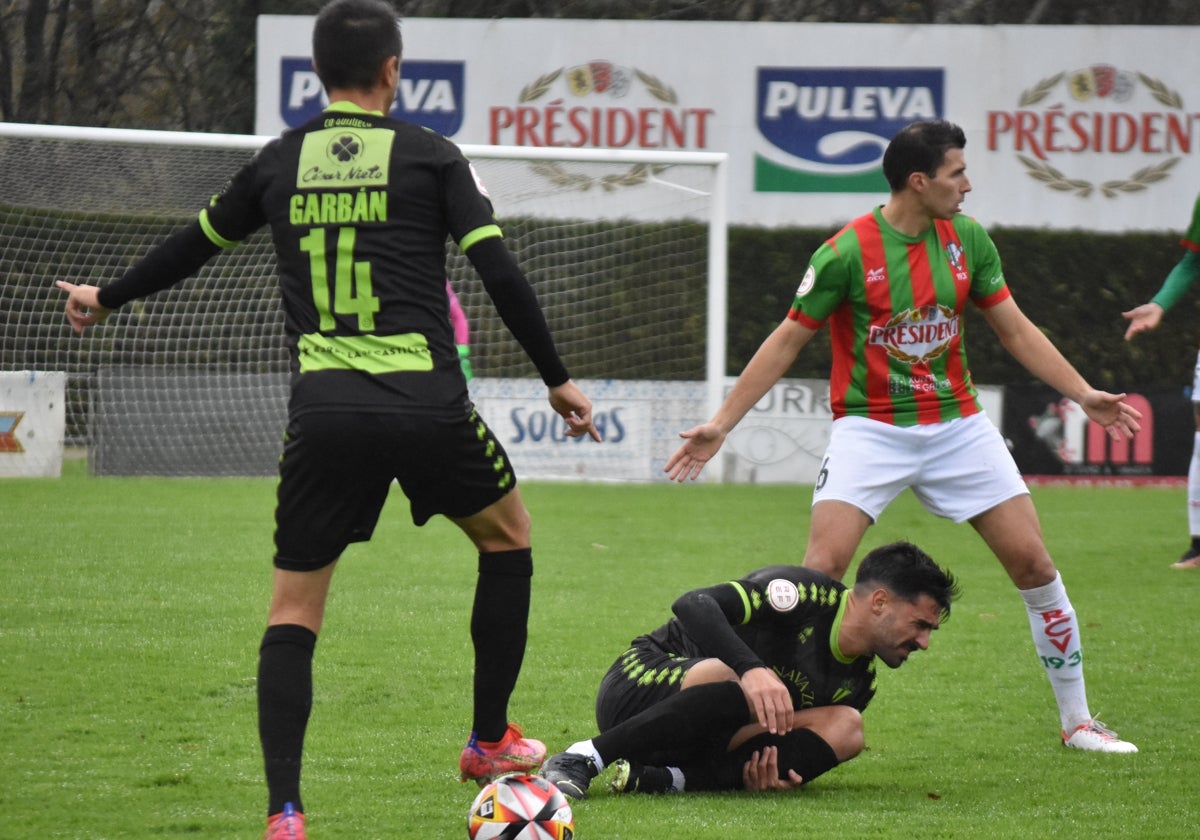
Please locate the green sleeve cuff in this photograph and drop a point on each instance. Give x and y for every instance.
(214, 237)
(485, 232)
(1178, 281)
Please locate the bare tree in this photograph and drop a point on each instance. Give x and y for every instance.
(178, 64)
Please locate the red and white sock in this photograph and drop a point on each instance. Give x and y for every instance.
(1056, 638)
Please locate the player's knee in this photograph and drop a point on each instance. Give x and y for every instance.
(503, 526)
(845, 732)
(1031, 571)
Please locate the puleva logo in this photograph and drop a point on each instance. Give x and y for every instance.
(430, 94)
(825, 129)
(1095, 131)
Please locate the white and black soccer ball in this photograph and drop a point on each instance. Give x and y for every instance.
(520, 808)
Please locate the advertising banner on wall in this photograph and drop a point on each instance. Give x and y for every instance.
(1051, 436)
(32, 423)
(1096, 128)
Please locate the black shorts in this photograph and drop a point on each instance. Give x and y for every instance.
(337, 468)
(641, 677)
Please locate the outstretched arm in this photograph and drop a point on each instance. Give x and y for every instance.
(1149, 315)
(178, 256)
(772, 360)
(1030, 346)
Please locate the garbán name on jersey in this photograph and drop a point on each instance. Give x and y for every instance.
(348, 152)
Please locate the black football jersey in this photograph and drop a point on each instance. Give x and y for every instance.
(789, 617)
(360, 207)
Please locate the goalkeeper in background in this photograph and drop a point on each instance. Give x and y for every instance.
(1147, 317)
(360, 206)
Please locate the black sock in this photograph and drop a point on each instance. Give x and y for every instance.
(693, 722)
(284, 704)
(801, 750)
(499, 627)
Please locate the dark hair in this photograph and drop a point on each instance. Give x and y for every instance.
(920, 147)
(909, 572)
(351, 40)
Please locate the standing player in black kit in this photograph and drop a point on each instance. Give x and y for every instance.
(360, 206)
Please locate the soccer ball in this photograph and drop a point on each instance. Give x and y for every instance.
(520, 808)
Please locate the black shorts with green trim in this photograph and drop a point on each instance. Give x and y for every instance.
(641, 677)
(338, 466)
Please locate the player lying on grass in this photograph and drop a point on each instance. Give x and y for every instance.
(760, 682)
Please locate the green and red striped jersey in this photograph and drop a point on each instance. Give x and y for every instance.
(895, 304)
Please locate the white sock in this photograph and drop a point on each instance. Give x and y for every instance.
(586, 748)
(1056, 639)
(677, 780)
(1193, 489)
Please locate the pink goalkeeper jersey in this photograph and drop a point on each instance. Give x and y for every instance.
(895, 304)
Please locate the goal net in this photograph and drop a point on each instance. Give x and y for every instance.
(625, 250)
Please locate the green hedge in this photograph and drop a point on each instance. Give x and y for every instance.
(1074, 285)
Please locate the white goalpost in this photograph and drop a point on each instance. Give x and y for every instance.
(626, 251)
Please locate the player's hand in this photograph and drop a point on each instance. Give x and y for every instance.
(701, 444)
(1118, 417)
(83, 305)
(576, 409)
(769, 700)
(1142, 318)
(761, 772)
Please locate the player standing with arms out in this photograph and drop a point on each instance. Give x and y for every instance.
(893, 285)
(360, 206)
(1147, 317)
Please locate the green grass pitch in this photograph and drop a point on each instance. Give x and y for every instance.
(131, 611)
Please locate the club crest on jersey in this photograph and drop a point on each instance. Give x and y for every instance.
(954, 253)
(782, 595)
(916, 335)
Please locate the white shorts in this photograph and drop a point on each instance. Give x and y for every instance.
(957, 469)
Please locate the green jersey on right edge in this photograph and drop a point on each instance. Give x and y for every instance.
(1191, 237)
(894, 305)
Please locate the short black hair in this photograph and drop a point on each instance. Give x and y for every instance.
(920, 147)
(909, 572)
(351, 40)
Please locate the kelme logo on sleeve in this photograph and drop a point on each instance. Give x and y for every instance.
(825, 129)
